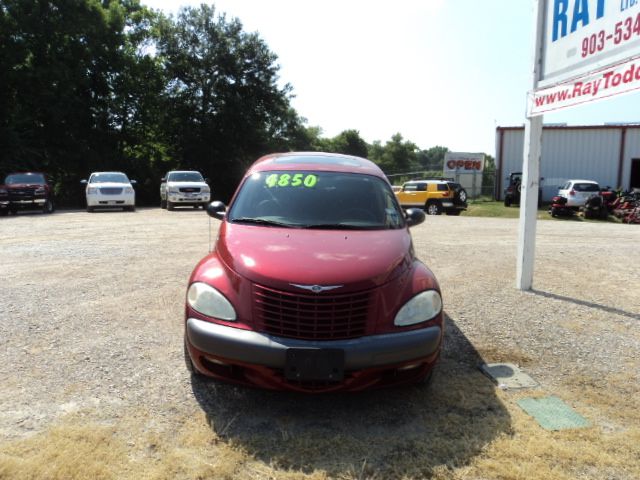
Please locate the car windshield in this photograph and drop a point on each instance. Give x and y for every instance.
(108, 178)
(32, 178)
(586, 187)
(312, 199)
(185, 177)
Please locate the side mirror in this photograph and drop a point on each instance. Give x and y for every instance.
(206, 180)
(133, 182)
(163, 180)
(414, 216)
(83, 182)
(217, 210)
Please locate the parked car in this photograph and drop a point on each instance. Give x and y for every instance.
(434, 195)
(109, 190)
(578, 191)
(4, 200)
(313, 285)
(184, 188)
(26, 191)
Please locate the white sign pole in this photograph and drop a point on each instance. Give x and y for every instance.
(531, 169)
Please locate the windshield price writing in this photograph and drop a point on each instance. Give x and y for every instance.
(288, 180)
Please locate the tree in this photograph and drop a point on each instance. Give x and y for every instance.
(397, 155)
(225, 107)
(432, 159)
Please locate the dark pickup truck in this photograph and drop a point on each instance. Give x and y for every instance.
(26, 191)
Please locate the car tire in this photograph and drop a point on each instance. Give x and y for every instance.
(433, 208)
(169, 205)
(462, 195)
(132, 208)
(90, 209)
(48, 206)
(163, 204)
(507, 201)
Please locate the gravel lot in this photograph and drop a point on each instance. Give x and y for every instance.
(91, 325)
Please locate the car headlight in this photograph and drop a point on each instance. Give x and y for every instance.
(205, 190)
(39, 191)
(92, 190)
(173, 190)
(210, 302)
(424, 306)
(128, 189)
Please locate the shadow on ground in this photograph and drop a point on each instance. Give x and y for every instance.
(410, 431)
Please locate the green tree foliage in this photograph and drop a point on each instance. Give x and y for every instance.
(432, 158)
(224, 106)
(396, 156)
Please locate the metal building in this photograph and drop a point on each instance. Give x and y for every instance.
(608, 154)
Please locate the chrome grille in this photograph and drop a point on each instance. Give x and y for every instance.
(311, 317)
(189, 190)
(111, 191)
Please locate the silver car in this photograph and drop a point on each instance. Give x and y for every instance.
(578, 191)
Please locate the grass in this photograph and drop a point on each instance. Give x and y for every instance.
(463, 428)
(492, 208)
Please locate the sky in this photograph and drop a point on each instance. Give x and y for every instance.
(439, 72)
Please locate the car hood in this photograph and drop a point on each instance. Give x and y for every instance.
(187, 184)
(280, 257)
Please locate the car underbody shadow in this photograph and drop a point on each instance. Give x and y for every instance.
(404, 431)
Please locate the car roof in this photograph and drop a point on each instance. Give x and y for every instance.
(316, 161)
(183, 171)
(581, 181)
(94, 173)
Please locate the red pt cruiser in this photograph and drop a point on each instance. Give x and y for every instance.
(313, 285)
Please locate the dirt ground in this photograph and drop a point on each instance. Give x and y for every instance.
(94, 384)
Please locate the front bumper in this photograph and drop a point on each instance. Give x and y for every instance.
(367, 357)
(187, 199)
(97, 200)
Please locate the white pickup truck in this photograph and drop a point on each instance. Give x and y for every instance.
(184, 188)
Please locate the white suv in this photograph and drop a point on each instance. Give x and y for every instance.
(578, 191)
(184, 188)
(110, 189)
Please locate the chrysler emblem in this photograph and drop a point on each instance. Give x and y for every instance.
(316, 288)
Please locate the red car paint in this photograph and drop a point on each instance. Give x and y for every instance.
(267, 273)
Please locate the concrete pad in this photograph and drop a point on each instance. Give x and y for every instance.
(508, 376)
(552, 413)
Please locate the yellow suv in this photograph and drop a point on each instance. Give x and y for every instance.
(434, 196)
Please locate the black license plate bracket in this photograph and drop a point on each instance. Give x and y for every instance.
(314, 364)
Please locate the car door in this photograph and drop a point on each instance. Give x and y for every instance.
(409, 196)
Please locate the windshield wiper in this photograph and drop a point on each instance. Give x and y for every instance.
(262, 221)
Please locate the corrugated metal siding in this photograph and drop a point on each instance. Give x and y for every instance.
(589, 153)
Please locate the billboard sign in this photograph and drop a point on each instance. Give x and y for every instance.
(590, 51)
(460, 162)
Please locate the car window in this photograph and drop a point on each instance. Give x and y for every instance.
(443, 187)
(566, 186)
(185, 177)
(314, 199)
(454, 186)
(108, 177)
(412, 187)
(33, 178)
(586, 187)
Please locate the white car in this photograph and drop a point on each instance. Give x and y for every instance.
(184, 188)
(108, 190)
(578, 191)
